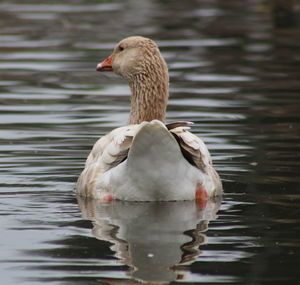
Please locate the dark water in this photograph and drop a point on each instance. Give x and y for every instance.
(235, 72)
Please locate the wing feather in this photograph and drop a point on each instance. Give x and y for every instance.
(174, 125)
(108, 152)
(193, 148)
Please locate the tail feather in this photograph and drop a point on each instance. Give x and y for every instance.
(156, 168)
(153, 147)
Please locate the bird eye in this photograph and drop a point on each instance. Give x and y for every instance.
(121, 48)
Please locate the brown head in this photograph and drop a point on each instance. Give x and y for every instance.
(138, 60)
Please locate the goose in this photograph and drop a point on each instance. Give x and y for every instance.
(147, 160)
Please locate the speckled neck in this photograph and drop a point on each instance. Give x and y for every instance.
(150, 92)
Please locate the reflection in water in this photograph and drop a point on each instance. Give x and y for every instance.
(153, 238)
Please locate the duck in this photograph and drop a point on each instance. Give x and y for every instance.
(147, 159)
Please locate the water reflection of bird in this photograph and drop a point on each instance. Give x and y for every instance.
(155, 239)
(147, 160)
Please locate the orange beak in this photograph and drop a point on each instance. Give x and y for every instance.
(105, 65)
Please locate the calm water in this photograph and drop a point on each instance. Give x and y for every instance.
(235, 73)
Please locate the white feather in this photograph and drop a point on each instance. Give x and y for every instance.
(154, 170)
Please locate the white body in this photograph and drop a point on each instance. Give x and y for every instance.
(155, 168)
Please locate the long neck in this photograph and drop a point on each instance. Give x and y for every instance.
(150, 92)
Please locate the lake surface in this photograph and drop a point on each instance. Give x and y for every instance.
(234, 72)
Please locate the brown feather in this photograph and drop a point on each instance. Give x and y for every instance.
(174, 125)
(192, 155)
